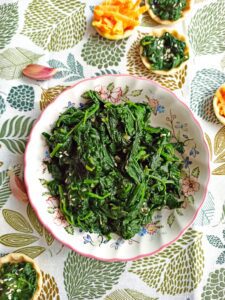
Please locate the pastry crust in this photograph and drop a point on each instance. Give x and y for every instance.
(185, 11)
(115, 37)
(216, 108)
(19, 257)
(159, 33)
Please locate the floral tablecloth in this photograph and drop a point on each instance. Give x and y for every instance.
(58, 33)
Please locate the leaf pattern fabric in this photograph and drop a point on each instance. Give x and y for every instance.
(183, 261)
(55, 24)
(101, 53)
(58, 34)
(214, 288)
(203, 88)
(207, 28)
(2, 105)
(73, 70)
(21, 97)
(50, 290)
(14, 132)
(9, 22)
(80, 272)
(14, 60)
(128, 294)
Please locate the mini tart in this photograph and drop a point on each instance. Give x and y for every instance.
(169, 22)
(219, 99)
(115, 37)
(19, 257)
(159, 33)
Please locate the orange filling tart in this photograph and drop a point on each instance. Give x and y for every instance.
(115, 19)
(220, 94)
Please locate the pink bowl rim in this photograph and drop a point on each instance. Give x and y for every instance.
(141, 255)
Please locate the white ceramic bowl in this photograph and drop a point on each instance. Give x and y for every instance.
(167, 226)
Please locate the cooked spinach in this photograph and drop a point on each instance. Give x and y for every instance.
(165, 52)
(18, 281)
(111, 169)
(168, 9)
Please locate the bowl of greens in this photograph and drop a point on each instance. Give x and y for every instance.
(116, 167)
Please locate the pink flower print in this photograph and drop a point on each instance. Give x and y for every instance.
(153, 103)
(115, 95)
(52, 202)
(102, 91)
(190, 185)
(152, 228)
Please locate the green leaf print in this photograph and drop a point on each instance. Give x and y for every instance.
(87, 278)
(32, 251)
(48, 237)
(14, 60)
(72, 71)
(21, 97)
(34, 220)
(102, 53)
(214, 288)
(221, 258)
(38, 226)
(215, 241)
(207, 29)
(182, 261)
(50, 290)
(17, 239)
(2, 104)
(171, 219)
(195, 172)
(206, 214)
(55, 25)
(4, 187)
(4, 184)
(219, 141)
(128, 294)
(13, 133)
(203, 88)
(9, 22)
(16, 221)
(106, 72)
(136, 93)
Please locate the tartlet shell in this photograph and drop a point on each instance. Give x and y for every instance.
(115, 37)
(169, 22)
(216, 108)
(19, 257)
(159, 33)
